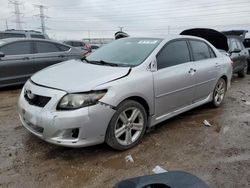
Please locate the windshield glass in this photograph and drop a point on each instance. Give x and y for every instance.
(125, 52)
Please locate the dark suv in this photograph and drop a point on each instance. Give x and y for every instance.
(247, 46)
(240, 54)
(228, 42)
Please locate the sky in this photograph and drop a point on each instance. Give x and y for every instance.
(78, 19)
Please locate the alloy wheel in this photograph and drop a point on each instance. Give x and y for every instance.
(219, 92)
(129, 126)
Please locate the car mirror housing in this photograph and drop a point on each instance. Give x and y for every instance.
(2, 54)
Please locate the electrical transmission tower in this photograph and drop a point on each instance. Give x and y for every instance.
(17, 14)
(42, 17)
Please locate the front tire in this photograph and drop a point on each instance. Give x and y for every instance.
(127, 126)
(243, 72)
(219, 92)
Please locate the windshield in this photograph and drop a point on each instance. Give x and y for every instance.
(125, 52)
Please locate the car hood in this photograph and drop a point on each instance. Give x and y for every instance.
(216, 38)
(77, 76)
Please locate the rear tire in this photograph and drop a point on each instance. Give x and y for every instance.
(219, 92)
(127, 126)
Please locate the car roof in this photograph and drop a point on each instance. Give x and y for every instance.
(170, 37)
(8, 40)
(21, 31)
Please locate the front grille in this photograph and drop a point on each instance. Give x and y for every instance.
(36, 100)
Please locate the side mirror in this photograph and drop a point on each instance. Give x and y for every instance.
(2, 54)
(236, 50)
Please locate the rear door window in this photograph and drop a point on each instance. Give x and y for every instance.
(200, 50)
(173, 53)
(17, 48)
(46, 47)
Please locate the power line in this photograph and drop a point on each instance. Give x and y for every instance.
(182, 4)
(42, 16)
(17, 14)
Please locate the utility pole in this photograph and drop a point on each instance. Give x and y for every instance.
(169, 29)
(120, 28)
(17, 14)
(6, 24)
(42, 16)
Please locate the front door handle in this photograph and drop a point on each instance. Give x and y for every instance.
(191, 71)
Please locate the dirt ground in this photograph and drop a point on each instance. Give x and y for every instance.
(220, 155)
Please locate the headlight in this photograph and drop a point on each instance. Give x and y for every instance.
(79, 100)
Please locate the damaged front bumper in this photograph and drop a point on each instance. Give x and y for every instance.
(75, 128)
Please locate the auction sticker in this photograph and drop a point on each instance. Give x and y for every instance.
(147, 41)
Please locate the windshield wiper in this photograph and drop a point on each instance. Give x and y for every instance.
(107, 63)
(100, 62)
(85, 59)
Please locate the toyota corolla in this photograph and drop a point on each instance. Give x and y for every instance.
(119, 91)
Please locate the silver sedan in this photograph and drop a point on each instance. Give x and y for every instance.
(122, 89)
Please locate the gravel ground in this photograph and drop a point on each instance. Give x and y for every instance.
(220, 154)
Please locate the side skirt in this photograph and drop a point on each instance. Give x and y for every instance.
(156, 120)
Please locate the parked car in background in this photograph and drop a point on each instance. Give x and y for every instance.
(228, 43)
(112, 96)
(12, 33)
(84, 47)
(241, 55)
(94, 47)
(20, 58)
(247, 46)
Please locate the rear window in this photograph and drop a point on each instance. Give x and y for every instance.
(11, 35)
(37, 36)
